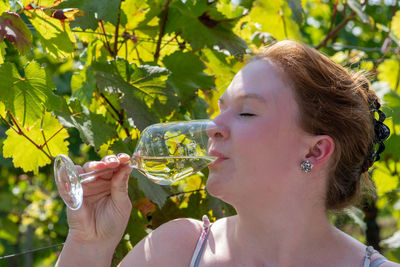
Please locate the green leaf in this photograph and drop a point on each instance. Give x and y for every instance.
(392, 106)
(92, 127)
(83, 86)
(297, 10)
(85, 20)
(55, 35)
(153, 191)
(133, 98)
(202, 25)
(392, 150)
(106, 10)
(28, 156)
(356, 7)
(24, 96)
(15, 30)
(187, 74)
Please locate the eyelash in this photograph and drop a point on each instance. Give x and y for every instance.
(246, 114)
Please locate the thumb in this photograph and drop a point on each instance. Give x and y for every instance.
(119, 189)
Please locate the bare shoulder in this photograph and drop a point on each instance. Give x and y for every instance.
(171, 244)
(390, 264)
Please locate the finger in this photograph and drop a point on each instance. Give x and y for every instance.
(111, 161)
(93, 165)
(96, 187)
(123, 158)
(119, 190)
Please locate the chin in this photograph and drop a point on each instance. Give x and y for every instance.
(218, 188)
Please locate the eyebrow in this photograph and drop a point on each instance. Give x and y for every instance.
(244, 97)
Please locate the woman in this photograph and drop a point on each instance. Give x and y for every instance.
(295, 137)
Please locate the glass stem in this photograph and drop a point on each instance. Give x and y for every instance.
(90, 176)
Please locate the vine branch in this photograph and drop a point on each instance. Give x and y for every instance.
(334, 32)
(20, 132)
(107, 43)
(162, 29)
(116, 31)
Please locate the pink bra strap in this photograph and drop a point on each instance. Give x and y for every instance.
(198, 252)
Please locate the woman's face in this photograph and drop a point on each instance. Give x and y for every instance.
(258, 140)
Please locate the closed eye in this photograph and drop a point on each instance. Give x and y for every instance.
(246, 114)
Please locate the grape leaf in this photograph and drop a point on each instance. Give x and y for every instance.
(55, 35)
(24, 96)
(187, 74)
(106, 10)
(265, 17)
(202, 25)
(142, 97)
(153, 191)
(85, 20)
(395, 24)
(383, 179)
(92, 127)
(15, 30)
(386, 70)
(28, 156)
(83, 86)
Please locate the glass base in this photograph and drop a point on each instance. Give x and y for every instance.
(68, 182)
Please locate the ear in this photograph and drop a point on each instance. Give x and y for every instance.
(321, 149)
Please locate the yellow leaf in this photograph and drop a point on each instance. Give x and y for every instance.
(2, 110)
(25, 154)
(396, 24)
(388, 72)
(383, 180)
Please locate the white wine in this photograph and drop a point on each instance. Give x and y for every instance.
(167, 170)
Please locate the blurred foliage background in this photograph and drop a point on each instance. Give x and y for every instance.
(83, 78)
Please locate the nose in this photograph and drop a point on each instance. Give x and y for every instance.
(217, 130)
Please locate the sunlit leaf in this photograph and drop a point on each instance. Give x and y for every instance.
(15, 30)
(388, 71)
(203, 26)
(383, 179)
(55, 36)
(25, 154)
(106, 10)
(25, 96)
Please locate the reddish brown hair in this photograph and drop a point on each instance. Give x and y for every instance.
(334, 102)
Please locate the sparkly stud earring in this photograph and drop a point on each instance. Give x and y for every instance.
(306, 166)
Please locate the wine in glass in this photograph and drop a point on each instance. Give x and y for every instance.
(165, 153)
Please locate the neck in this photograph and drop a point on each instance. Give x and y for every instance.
(282, 234)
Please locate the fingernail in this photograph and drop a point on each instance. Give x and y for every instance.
(112, 159)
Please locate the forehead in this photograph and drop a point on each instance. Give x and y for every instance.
(260, 78)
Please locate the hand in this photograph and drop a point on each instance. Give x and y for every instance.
(106, 206)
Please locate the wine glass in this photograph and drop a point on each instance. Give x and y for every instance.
(165, 153)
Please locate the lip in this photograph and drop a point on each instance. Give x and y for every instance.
(220, 157)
